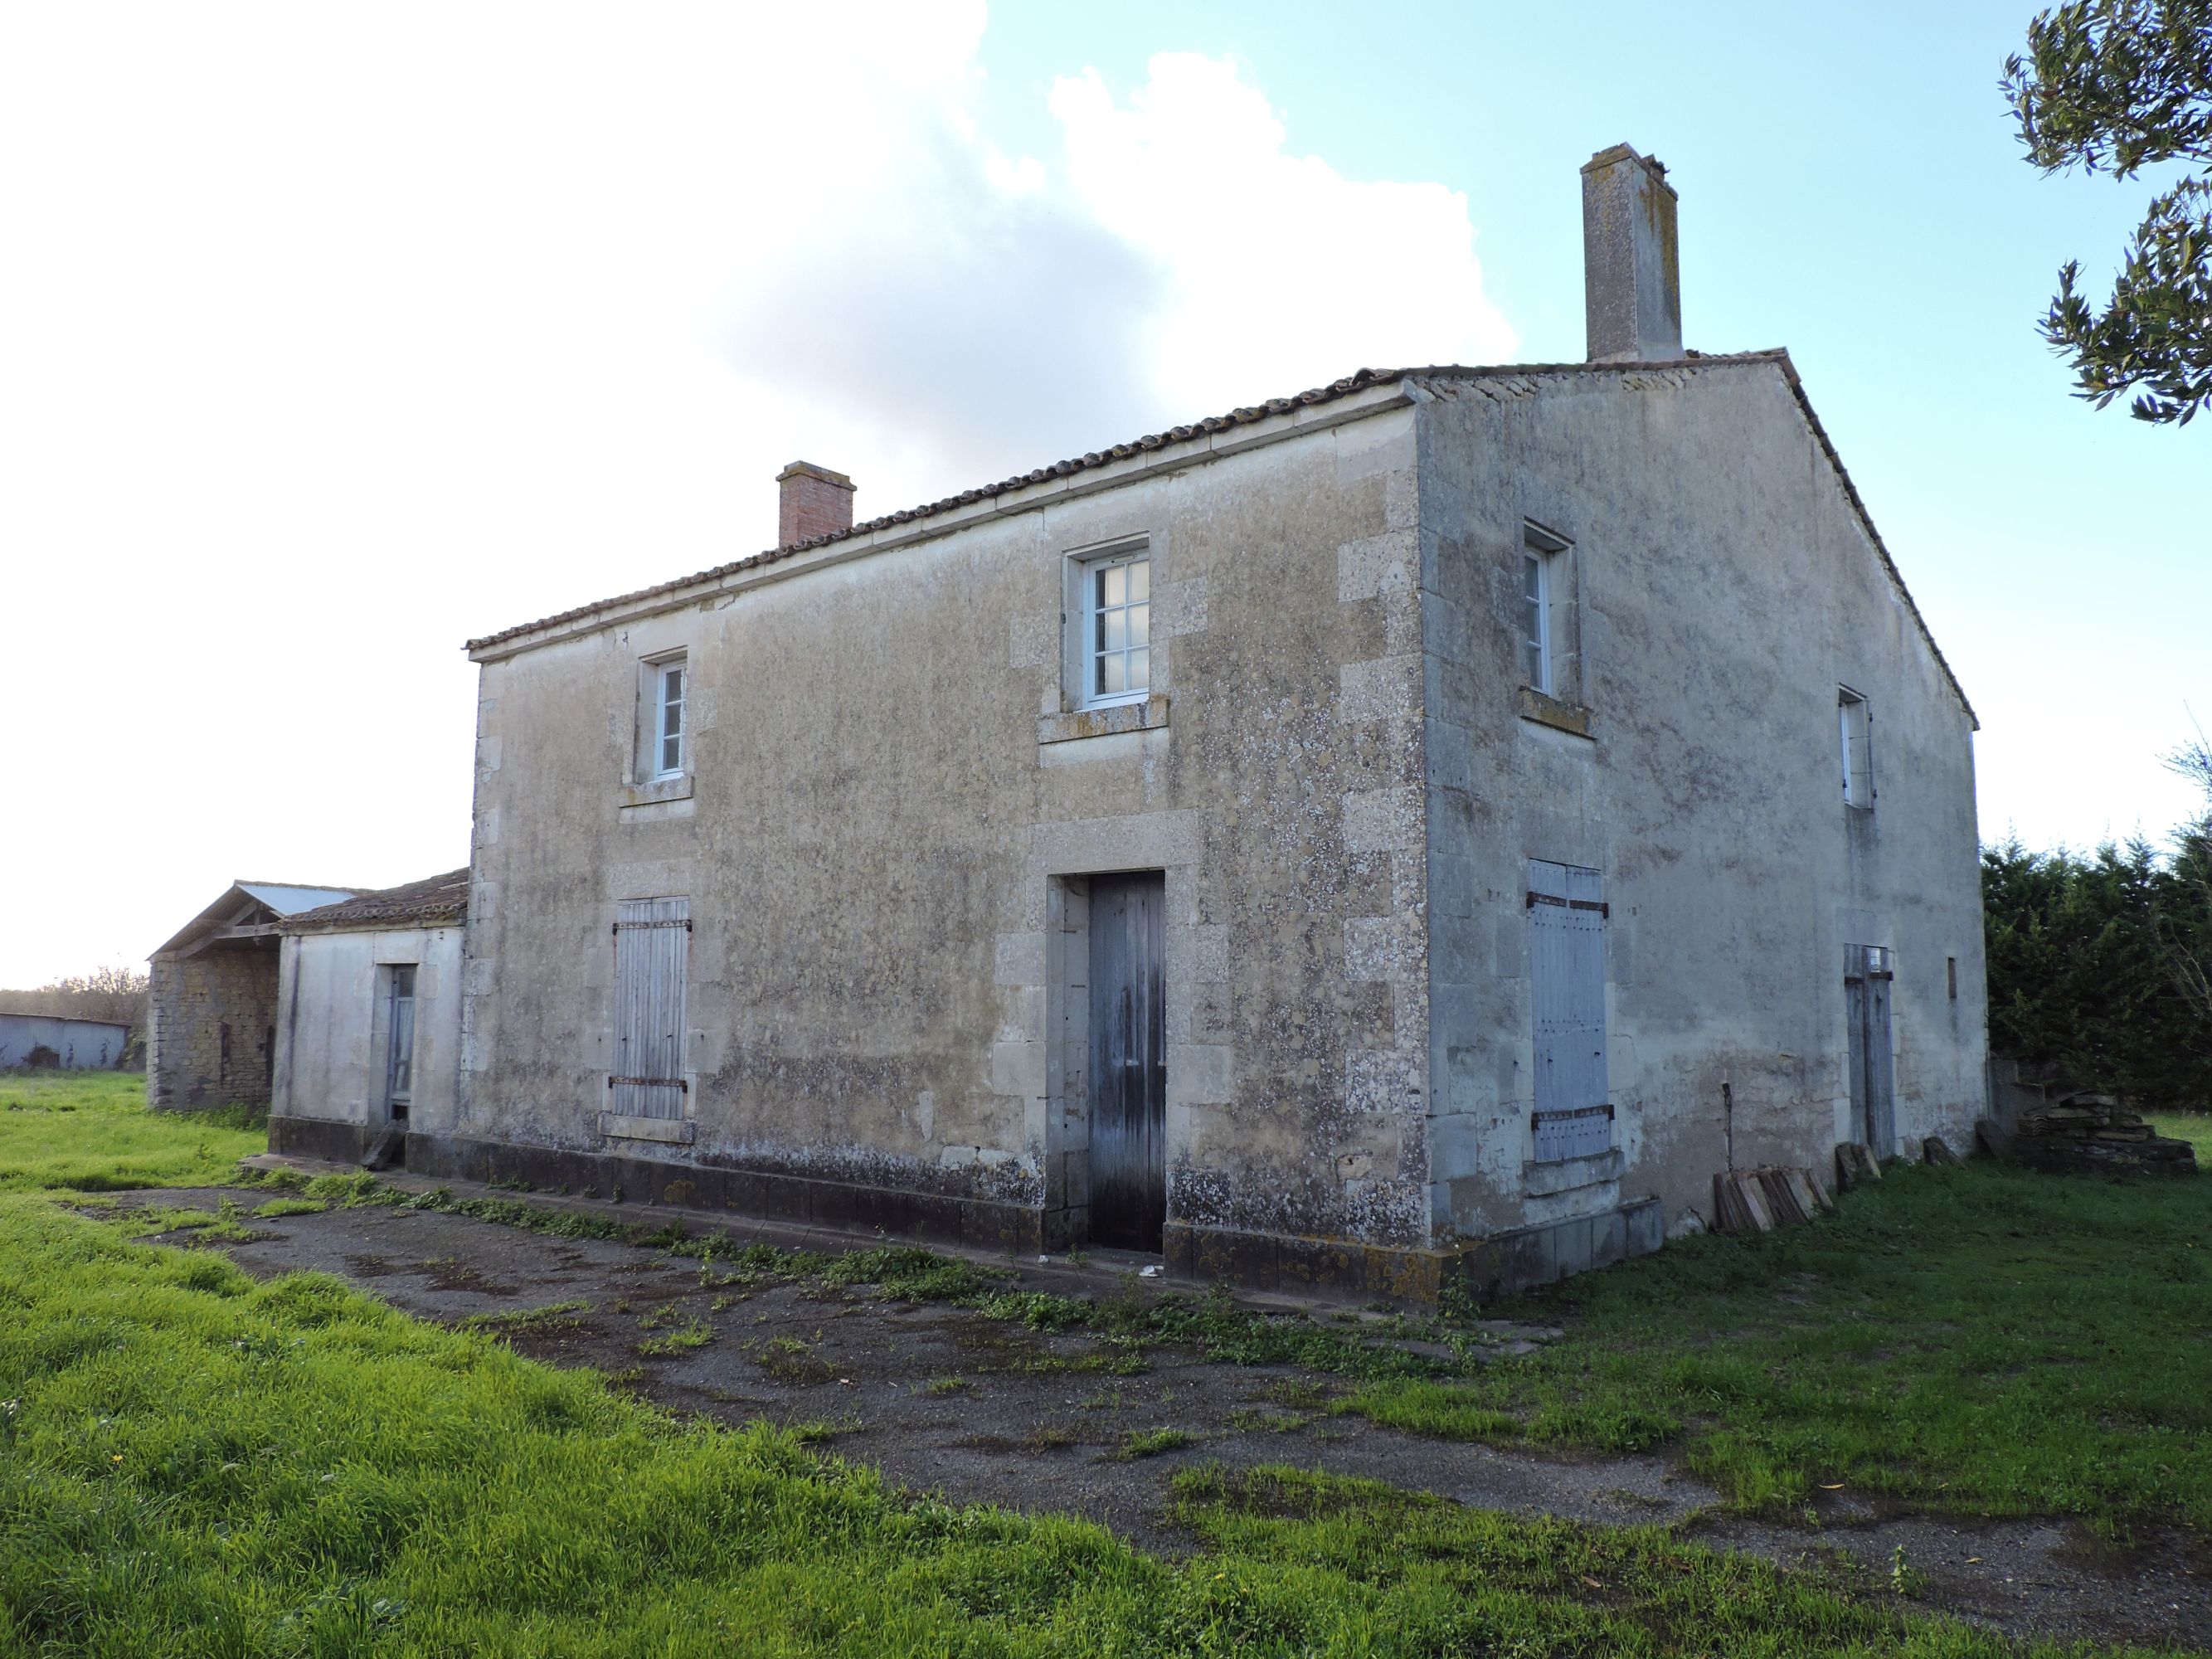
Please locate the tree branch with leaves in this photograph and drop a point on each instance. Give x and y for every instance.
(2117, 86)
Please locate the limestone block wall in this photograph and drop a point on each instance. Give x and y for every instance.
(1720, 590)
(211, 1035)
(893, 812)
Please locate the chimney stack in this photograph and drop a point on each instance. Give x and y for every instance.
(1632, 265)
(814, 501)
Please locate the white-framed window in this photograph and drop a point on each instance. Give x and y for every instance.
(671, 679)
(1855, 746)
(1543, 581)
(1117, 654)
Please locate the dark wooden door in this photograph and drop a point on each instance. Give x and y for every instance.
(1874, 1082)
(1128, 1062)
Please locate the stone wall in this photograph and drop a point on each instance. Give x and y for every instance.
(212, 1037)
(892, 814)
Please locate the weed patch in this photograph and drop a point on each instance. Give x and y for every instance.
(686, 1339)
(1150, 1443)
(554, 1318)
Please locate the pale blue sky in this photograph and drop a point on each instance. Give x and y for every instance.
(334, 337)
(1851, 189)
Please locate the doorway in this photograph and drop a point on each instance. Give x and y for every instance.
(1868, 976)
(399, 1046)
(1128, 1071)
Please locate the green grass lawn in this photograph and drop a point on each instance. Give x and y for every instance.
(91, 1131)
(1975, 1338)
(198, 1464)
(2195, 1127)
(193, 1463)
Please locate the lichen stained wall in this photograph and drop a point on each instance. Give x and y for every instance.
(891, 815)
(1724, 590)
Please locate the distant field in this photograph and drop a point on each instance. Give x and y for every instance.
(91, 1131)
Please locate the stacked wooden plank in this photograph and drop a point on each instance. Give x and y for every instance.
(1758, 1200)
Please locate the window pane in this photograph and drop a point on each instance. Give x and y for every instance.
(1140, 624)
(1110, 672)
(1532, 577)
(673, 685)
(1112, 629)
(671, 754)
(1111, 585)
(1140, 670)
(1140, 579)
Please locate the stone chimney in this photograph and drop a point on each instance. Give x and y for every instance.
(1632, 266)
(815, 502)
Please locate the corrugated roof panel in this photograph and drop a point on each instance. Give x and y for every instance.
(290, 901)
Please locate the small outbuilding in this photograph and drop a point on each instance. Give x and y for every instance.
(369, 1021)
(33, 1040)
(211, 1033)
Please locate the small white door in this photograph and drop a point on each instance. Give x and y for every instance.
(399, 1042)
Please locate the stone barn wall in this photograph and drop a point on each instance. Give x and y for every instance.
(212, 1039)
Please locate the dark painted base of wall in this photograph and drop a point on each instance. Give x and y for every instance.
(1487, 1269)
(1330, 1269)
(976, 1223)
(318, 1138)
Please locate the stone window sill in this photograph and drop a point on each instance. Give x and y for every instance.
(1550, 711)
(1144, 716)
(681, 1131)
(650, 795)
(1567, 1175)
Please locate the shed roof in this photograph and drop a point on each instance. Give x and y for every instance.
(1251, 414)
(253, 904)
(435, 901)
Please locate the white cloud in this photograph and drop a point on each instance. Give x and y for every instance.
(330, 337)
(1286, 273)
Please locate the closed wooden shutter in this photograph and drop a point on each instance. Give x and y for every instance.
(1566, 940)
(652, 956)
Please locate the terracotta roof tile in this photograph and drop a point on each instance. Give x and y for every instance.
(435, 902)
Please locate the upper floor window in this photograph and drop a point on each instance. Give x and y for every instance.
(669, 682)
(1543, 602)
(1117, 628)
(1855, 741)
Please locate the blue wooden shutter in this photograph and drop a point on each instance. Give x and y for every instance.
(1566, 955)
(653, 954)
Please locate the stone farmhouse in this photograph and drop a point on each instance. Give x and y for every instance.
(1420, 829)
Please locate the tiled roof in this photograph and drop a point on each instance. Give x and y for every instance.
(1250, 415)
(435, 902)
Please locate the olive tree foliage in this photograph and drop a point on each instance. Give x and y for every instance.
(2116, 86)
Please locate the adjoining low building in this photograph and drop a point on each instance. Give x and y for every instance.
(368, 1023)
(211, 1024)
(68, 1044)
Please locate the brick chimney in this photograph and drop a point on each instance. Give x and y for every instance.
(1632, 265)
(815, 502)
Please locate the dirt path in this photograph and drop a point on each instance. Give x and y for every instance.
(982, 1410)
